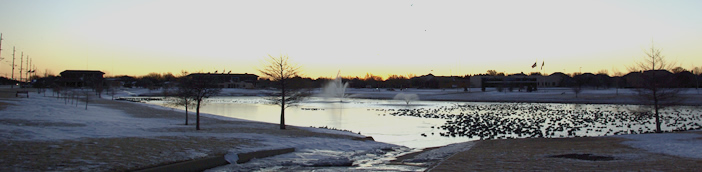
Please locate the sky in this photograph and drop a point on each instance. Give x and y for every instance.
(137, 37)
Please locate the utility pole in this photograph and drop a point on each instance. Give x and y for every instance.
(26, 74)
(29, 68)
(33, 69)
(0, 46)
(20, 71)
(13, 66)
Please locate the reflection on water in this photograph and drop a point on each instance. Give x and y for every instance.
(421, 124)
(364, 116)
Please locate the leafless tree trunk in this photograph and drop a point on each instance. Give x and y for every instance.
(112, 92)
(577, 89)
(199, 88)
(656, 86)
(181, 96)
(87, 95)
(280, 69)
(99, 88)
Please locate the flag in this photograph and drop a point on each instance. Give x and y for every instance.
(542, 65)
(533, 66)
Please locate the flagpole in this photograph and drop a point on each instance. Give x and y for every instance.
(543, 72)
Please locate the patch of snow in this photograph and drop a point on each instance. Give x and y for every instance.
(76, 122)
(232, 158)
(676, 144)
(442, 152)
(330, 131)
(102, 122)
(193, 154)
(313, 152)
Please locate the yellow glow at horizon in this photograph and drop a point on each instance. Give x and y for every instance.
(380, 38)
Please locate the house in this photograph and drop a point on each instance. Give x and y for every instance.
(120, 81)
(431, 81)
(659, 78)
(81, 78)
(556, 79)
(529, 82)
(513, 81)
(226, 80)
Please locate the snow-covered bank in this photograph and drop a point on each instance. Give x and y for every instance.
(61, 124)
(55, 121)
(683, 144)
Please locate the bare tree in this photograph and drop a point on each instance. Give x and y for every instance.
(655, 86)
(678, 70)
(492, 72)
(578, 82)
(112, 88)
(281, 70)
(99, 88)
(577, 89)
(199, 87)
(57, 90)
(617, 79)
(181, 95)
(86, 94)
(697, 71)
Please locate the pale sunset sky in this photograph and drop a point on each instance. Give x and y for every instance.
(136, 37)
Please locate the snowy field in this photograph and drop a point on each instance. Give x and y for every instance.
(40, 118)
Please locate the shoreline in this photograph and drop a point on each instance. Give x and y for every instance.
(169, 142)
(545, 95)
(137, 110)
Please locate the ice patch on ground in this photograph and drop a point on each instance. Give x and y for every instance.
(316, 153)
(676, 144)
(442, 152)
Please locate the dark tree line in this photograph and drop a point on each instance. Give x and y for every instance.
(680, 77)
(392, 82)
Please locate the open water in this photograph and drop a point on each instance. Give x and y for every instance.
(422, 124)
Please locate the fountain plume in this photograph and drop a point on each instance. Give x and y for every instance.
(407, 97)
(335, 88)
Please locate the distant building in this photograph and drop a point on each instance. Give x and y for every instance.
(518, 81)
(121, 81)
(556, 79)
(224, 80)
(81, 78)
(431, 81)
(639, 79)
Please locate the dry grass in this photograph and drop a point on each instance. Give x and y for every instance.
(108, 154)
(122, 154)
(130, 153)
(535, 155)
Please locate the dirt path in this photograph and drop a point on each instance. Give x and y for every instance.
(539, 154)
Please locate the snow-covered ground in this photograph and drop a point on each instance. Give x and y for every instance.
(685, 145)
(46, 118)
(40, 118)
(678, 144)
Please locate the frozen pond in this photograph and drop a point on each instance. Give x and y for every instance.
(422, 124)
